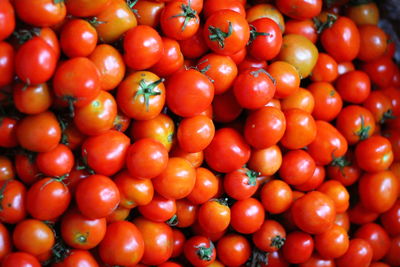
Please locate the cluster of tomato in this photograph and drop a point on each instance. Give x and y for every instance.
(191, 133)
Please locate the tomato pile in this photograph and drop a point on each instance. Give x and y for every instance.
(179, 133)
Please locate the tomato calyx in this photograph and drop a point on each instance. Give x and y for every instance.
(58, 1)
(95, 21)
(131, 5)
(173, 221)
(340, 162)
(254, 34)
(363, 133)
(255, 73)
(205, 253)
(252, 175)
(216, 34)
(321, 26)
(24, 35)
(188, 13)
(55, 179)
(257, 258)
(147, 90)
(387, 115)
(278, 242)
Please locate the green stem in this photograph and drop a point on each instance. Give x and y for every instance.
(147, 90)
(188, 13)
(205, 253)
(218, 35)
(364, 131)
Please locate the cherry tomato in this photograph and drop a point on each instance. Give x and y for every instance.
(211, 6)
(376, 237)
(374, 154)
(302, 99)
(20, 259)
(195, 46)
(266, 161)
(225, 107)
(171, 60)
(365, 13)
(33, 99)
(186, 213)
(7, 21)
(148, 12)
(359, 253)
(247, 215)
(380, 106)
(13, 207)
(333, 243)
(392, 256)
(325, 70)
(380, 71)
(7, 55)
(270, 237)
(276, 196)
(297, 167)
(338, 193)
(391, 219)
(77, 257)
(214, 216)
(298, 247)
(199, 251)
(85, 8)
(265, 39)
(328, 102)
(43, 13)
(302, 27)
(233, 250)
(287, 78)
(206, 186)
(241, 184)
(300, 9)
(159, 209)
(195, 133)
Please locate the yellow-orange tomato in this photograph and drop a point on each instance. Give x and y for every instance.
(266, 11)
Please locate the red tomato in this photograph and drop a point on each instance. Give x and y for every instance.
(392, 256)
(159, 209)
(171, 60)
(317, 260)
(233, 250)
(211, 6)
(361, 215)
(7, 56)
(186, 213)
(354, 86)
(8, 137)
(6, 243)
(6, 169)
(199, 251)
(266, 161)
(276, 196)
(195, 133)
(7, 19)
(86, 8)
(298, 247)
(333, 243)
(297, 167)
(13, 207)
(42, 13)
(338, 193)
(32, 99)
(206, 186)
(377, 237)
(179, 241)
(247, 216)
(287, 78)
(328, 102)
(225, 107)
(373, 42)
(300, 9)
(20, 259)
(195, 46)
(57, 162)
(78, 257)
(241, 184)
(270, 237)
(214, 216)
(380, 71)
(391, 219)
(302, 99)
(326, 69)
(374, 154)
(303, 27)
(380, 106)
(265, 39)
(359, 253)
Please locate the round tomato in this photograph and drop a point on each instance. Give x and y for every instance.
(276, 196)
(42, 13)
(326, 69)
(333, 243)
(266, 161)
(247, 215)
(7, 19)
(298, 247)
(233, 250)
(377, 237)
(301, 129)
(374, 154)
(195, 133)
(265, 39)
(200, 251)
(171, 60)
(297, 167)
(20, 259)
(12, 204)
(270, 237)
(206, 186)
(391, 219)
(33, 99)
(300, 9)
(373, 42)
(214, 216)
(7, 56)
(359, 253)
(241, 184)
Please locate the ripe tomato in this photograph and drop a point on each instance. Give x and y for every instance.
(227, 152)
(233, 250)
(303, 27)
(251, 63)
(12, 204)
(300, 9)
(302, 99)
(380, 106)
(341, 40)
(47, 199)
(148, 12)
(171, 59)
(206, 186)
(199, 251)
(270, 237)
(265, 39)
(378, 191)
(195, 133)
(377, 237)
(297, 167)
(328, 102)
(380, 71)
(338, 193)
(354, 86)
(394, 95)
(7, 56)
(214, 216)
(298, 247)
(78, 257)
(85, 8)
(78, 38)
(333, 243)
(226, 32)
(392, 256)
(241, 184)
(35, 61)
(8, 137)
(81, 232)
(6, 169)
(57, 162)
(276, 196)
(247, 215)
(211, 6)
(26, 168)
(7, 19)
(195, 46)
(33, 99)
(373, 42)
(266, 161)
(186, 213)
(158, 238)
(314, 212)
(365, 13)
(301, 129)
(317, 260)
(325, 70)
(123, 244)
(33, 236)
(361, 215)
(374, 154)
(97, 196)
(287, 78)
(225, 107)
(20, 259)
(196, 159)
(42, 13)
(179, 240)
(359, 253)
(159, 209)
(6, 243)
(391, 219)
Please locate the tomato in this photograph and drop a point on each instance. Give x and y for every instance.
(300, 9)
(226, 32)
(227, 152)
(47, 199)
(7, 21)
(161, 128)
(316, 260)
(119, 214)
(195, 46)
(266, 161)
(6, 169)
(77, 81)
(199, 251)
(81, 232)
(78, 257)
(57, 162)
(377, 238)
(354, 86)
(171, 59)
(303, 27)
(159, 209)
(206, 186)
(394, 95)
(179, 241)
(6, 243)
(7, 55)
(146, 158)
(33, 99)
(266, 11)
(196, 159)
(214, 216)
(341, 40)
(241, 184)
(148, 12)
(391, 219)
(13, 207)
(33, 236)
(287, 78)
(297, 167)
(380, 106)
(247, 215)
(98, 116)
(26, 168)
(373, 42)
(43, 13)
(300, 52)
(35, 61)
(380, 71)
(195, 133)
(158, 237)
(328, 102)
(276, 196)
(355, 123)
(225, 107)
(361, 215)
(302, 99)
(265, 39)
(270, 237)
(332, 243)
(20, 259)
(8, 137)
(78, 38)
(221, 69)
(177, 180)
(192, 88)
(300, 130)
(365, 13)
(114, 21)
(211, 6)
(123, 244)
(378, 191)
(298, 247)
(97, 196)
(392, 256)
(359, 253)
(338, 193)
(325, 70)
(251, 63)
(374, 154)
(312, 183)
(264, 127)
(233, 250)
(85, 8)
(317, 206)
(239, 56)
(328, 145)
(186, 213)
(179, 20)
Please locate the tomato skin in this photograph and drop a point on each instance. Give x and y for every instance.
(7, 20)
(342, 40)
(78, 257)
(106, 153)
(317, 260)
(266, 161)
(392, 256)
(7, 55)
(394, 95)
(366, 13)
(297, 167)
(158, 237)
(190, 87)
(211, 6)
(270, 237)
(338, 193)
(206, 186)
(85, 8)
(5, 241)
(374, 154)
(80, 232)
(56, 162)
(171, 60)
(298, 247)
(240, 184)
(378, 191)
(42, 13)
(146, 158)
(35, 61)
(196, 159)
(32, 99)
(186, 213)
(247, 215)
(192, 247)
(97, 196)
(179, 241)
(276, 196)
(301, 99)
(123, 244)
(377, 238)
(359, 253)
(333, 243)
(195, 133)
(300, 9)
(328, 102)
(8, 137)
(13, 207)
(6, 169)
(233, 250)
(287, 78)
(159, 209)
(314, 205)
(78, 38)
(391, 219)
(380, 71)
(373, 42)
(177, 180)
(20, 259)
(225, 107)
(265, 47)
(354, 86)
(227, 152)
(380, 106)
(214, 216)
(326, 69)
(231, 43)
(195, 46)
(302, 27)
